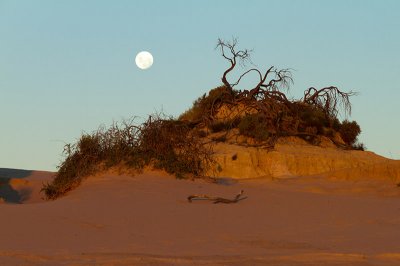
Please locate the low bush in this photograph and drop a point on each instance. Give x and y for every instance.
(172, 145)
(162, 143)
(220, 126)
(224, 125)
(349, 132)
(313, 117)
(255, 126)
(359, 147)
(204, 104)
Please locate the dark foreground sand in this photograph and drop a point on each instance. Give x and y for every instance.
(146, 220)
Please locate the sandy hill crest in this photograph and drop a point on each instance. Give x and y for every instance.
(293, 157)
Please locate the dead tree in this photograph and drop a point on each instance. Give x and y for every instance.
(268, 97)
(272, 80)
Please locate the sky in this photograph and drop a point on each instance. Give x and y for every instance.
(68, 67)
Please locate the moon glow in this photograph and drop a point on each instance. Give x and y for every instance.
(144, 60)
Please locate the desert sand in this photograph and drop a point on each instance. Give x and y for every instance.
(121, 219)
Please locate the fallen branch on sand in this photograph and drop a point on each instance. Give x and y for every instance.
(217, 199)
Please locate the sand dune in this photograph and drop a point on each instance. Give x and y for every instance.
(146, 220)
(22, 186)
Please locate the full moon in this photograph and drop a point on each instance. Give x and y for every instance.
(144, 60)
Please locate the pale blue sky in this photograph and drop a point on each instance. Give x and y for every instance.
(67, 67)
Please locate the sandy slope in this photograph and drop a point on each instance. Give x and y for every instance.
(146, 220)
(17, 186)
(295, 158)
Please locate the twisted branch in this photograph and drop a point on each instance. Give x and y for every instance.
(330, 99)
(281, 79)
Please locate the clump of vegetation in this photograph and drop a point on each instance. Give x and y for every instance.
(205, 106)
(265, 113)
(220, 126)
(255, 126)
(224, 125)
(349, 131)
(312, 117)
(172, 145)
(159, 142)
(359, 146)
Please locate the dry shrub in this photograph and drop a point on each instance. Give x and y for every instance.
(160, 142)
(172, 145)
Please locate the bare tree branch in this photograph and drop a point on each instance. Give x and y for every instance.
(242, 55)
(330, 99)
(245, 73)
(282, 79)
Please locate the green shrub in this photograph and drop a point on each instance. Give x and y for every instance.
(255, 126)
(336, 124)
(218, 126)
(349, 131)
(313, 117)
(203, 105)
(201, 133)
(359, 147)
(312, 130)
(219, 138)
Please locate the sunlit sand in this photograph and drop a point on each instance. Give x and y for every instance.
(116, 218)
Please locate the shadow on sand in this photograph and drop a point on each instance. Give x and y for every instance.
(7, 193)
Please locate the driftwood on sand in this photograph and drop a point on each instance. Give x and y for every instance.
(216, 200)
